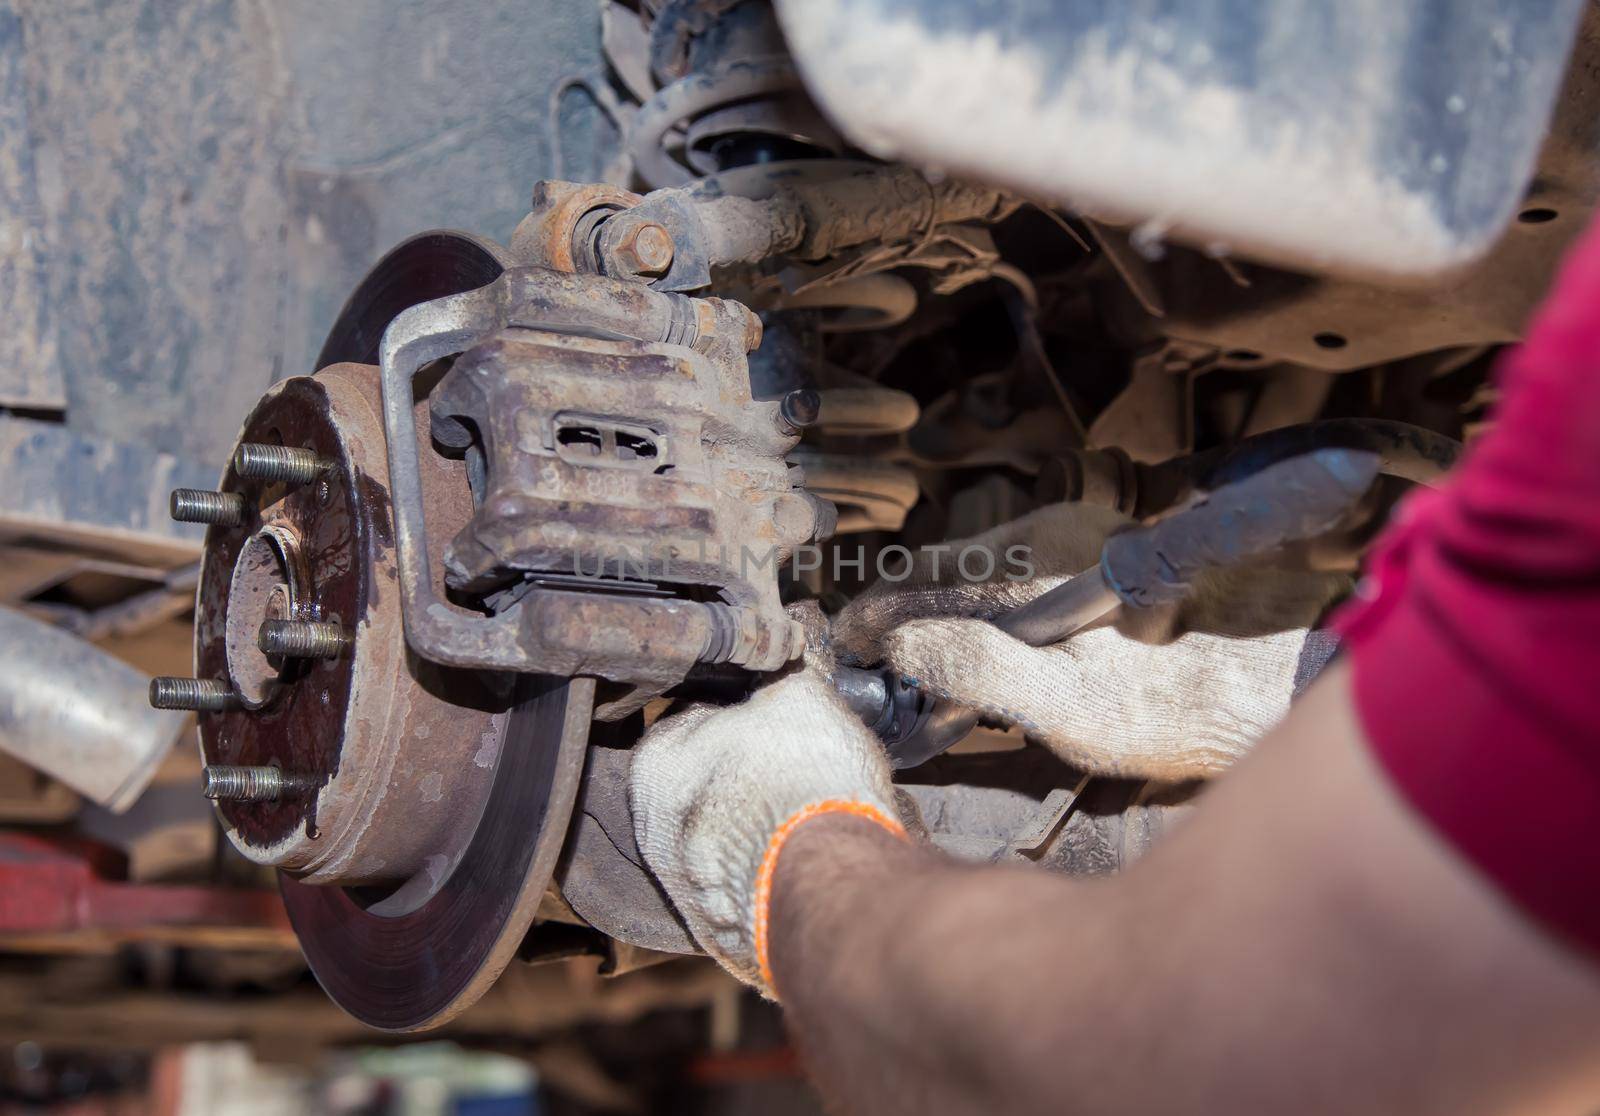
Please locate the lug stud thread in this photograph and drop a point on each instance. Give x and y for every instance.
(199, 695)
(252, 784)
(301, 639)
(195, 505)
(289, 464)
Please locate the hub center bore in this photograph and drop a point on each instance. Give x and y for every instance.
(266, 585)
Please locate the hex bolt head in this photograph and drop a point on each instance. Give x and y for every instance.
(645, 250)
(199, 695)
(798, 410)
(302, 639)
(753, 329)
(795, 516)
(289, 464)
(194, 505)
(252, 784)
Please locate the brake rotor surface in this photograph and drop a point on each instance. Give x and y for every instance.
(414, 871)
(420, 967)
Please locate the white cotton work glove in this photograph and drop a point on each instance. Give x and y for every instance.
(716, 791)
(1169, 693)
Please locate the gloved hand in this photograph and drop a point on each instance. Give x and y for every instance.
(715, 792)
(1168, 693)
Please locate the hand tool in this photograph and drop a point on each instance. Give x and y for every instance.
(1292, 500)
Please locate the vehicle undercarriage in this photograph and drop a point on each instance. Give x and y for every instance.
(531, 494)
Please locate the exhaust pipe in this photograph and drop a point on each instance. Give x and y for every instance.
(78, 714)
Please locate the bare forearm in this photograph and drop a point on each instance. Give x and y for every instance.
(906, 976)
(1302, 944)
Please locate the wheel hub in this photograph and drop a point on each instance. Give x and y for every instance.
(398, 759)
(413, 811)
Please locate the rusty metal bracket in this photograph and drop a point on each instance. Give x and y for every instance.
(642, 640)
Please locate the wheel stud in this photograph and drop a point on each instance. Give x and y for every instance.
(252, 784)
(202, 695)
(289, 464)
(195, 505)
(301, 639)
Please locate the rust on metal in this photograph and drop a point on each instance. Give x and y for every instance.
(547, 235)
(604, 433)
(401, 757)
(644, 250)
(617, 465)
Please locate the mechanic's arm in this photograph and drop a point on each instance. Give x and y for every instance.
(1303, 943)
(1392, 904)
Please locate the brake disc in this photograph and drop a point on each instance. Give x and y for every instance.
(414, 813)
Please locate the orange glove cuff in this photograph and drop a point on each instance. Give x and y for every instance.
(769, 864)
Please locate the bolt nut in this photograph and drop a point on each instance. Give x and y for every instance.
(645, 250)
(826, 520)
(753, 329)
(798, 410)
(794, 514)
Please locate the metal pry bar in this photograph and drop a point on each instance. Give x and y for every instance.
(1295, 499)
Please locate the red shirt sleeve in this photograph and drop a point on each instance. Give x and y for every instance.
(1475, 636)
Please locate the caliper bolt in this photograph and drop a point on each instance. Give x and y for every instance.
(798, 410)
(252, 784)
(301, 639)
(194, 505)
(646, 250)
(289, 464)
(753, 329)
(201, 695)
